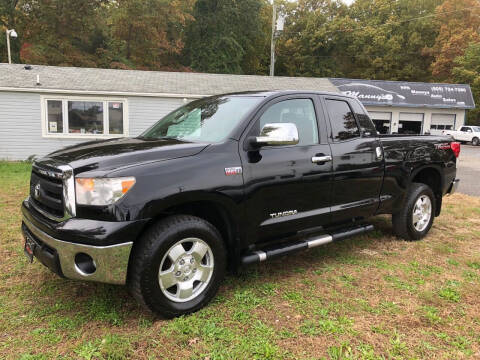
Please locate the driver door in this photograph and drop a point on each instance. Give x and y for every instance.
(286, 189)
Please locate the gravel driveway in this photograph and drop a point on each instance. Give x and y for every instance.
(468, 170)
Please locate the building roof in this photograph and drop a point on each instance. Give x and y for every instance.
(57, 79)
(407, 94)
(154, 83)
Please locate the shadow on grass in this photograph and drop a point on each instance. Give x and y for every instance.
(114, 305)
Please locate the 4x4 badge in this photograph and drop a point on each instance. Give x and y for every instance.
(237, 170)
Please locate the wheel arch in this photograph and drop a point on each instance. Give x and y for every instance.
(219, 210)
(431, 176)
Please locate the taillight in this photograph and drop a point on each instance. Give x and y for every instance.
(455, 146)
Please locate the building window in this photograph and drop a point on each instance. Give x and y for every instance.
(85, 117)
(76, 117)
(410, 123)
(382, 121)
(115, 117)
(55, 116)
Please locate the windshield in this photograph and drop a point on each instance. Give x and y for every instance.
(476, 128)
(206, 120)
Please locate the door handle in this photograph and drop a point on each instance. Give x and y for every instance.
(321, 159)
(379, 153)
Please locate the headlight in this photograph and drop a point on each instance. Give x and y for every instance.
(101, 191)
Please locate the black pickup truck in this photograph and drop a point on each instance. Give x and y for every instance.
(223, 182)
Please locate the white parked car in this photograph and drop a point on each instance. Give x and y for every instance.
(466, 134)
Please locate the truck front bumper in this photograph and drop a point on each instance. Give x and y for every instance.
(106, 264)
(79, 248)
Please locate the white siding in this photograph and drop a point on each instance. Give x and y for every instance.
(21, 127)
(443, 119)
(377, 115)
(398, 114)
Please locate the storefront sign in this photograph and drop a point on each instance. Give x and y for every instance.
(399, 93)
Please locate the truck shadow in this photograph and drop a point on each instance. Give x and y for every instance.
(113, 304)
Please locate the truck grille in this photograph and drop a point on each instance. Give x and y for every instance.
(46, 191)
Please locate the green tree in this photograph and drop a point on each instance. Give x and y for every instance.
(226, 36)
(459, 21)
(467, 70)
(389, 39)
(374, 39)
(62, 32)
(309, 44)
(10, 15)
(151, 31)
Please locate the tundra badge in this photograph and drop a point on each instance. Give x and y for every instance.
(283, 213)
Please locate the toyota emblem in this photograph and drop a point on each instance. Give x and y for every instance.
(36, 191)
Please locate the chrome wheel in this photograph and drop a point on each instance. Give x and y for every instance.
(422, 212)
(186, 269)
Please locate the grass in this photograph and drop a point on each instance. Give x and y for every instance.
(370, 297)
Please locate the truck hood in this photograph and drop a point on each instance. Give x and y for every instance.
(112, 154)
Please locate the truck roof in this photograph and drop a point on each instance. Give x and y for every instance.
(268, 93)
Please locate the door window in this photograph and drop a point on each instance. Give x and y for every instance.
(300, 112)
(366, 125)
(344, 126)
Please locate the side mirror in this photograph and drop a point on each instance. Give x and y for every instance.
(277, 134)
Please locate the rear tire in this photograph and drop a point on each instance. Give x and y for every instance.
(414, 220)
(177, 266)
(475, 141)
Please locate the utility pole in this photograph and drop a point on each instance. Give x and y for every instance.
(13, 34)
(272, 40)
(8, 47)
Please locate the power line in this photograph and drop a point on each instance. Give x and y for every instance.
(356, 56)
(392, 23)
(382, 55)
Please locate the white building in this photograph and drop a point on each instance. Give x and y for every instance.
(44, 108)
(411, 107)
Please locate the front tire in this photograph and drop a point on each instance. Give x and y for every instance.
(475, 141)
(177, 266)
(414, 220)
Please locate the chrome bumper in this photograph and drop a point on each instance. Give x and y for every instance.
(111, 262)
(453, 187)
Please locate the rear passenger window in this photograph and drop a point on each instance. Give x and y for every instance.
(342, 120)
(366, 124)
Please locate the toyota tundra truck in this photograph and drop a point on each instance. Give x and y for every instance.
(227, 181)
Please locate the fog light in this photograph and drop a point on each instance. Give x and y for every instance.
(84, 264)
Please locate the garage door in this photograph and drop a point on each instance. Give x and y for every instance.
(410, 123)
(441, 122)
(381, 120)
